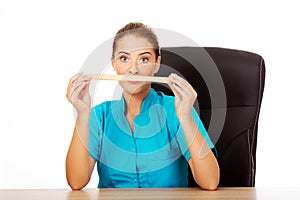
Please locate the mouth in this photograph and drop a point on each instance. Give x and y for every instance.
(134, 82)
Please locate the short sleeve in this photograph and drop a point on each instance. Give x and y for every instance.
(181, 139)
(95, 134)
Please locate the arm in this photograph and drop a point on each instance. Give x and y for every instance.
(79, 165)
(203, 163)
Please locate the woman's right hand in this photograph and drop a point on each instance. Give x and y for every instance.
(78, 92)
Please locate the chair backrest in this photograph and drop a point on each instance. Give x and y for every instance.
(238, 79)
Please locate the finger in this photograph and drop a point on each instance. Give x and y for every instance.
(73, 78)
(182, 81)
(79, 83)
(183, 84)
(75, 94)
(176, 90)
(80, 79)
(70, 93)
(180, 85)
(179, 81)
(72, 81)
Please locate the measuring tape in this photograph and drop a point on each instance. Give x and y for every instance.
(129, 78)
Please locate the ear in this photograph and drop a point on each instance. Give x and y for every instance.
(157, 64)
(113, 63)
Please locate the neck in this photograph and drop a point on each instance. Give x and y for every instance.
(134, 101)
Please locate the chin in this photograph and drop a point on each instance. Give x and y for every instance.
(135, 88)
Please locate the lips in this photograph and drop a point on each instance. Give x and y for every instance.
(134, 82)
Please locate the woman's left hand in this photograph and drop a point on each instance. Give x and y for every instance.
(185, 96)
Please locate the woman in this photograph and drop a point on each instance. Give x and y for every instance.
(145, 139)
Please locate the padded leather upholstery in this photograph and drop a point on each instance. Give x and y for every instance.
(243, 75)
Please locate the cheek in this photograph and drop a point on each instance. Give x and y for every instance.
(121, 71)
(143, 69)
(148, 69)
(121, 68)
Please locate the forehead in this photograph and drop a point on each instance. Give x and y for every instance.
(132, 43)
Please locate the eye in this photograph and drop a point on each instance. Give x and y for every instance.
(123, 59)
(144, 60)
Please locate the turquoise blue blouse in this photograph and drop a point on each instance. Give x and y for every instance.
(156, 155)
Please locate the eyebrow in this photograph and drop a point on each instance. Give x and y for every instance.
(127, 53)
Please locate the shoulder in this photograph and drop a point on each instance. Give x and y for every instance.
(102, 108)
(168, 103)
(165, 100)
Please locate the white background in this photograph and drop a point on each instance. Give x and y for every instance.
(43, 43)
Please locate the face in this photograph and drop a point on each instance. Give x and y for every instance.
(135, 56)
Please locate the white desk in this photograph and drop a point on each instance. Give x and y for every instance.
(166, 193)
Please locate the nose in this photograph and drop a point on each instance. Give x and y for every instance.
(134, 68)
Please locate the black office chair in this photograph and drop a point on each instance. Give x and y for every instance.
(230, 85)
